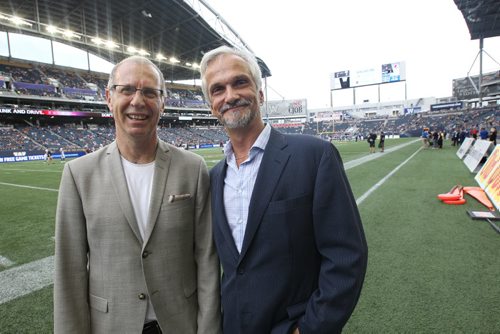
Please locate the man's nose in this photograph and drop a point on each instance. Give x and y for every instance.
(138, 98)
(231, 94)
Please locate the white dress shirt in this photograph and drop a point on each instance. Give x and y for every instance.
(239, 183)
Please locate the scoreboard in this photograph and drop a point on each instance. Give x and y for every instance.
(385, 73)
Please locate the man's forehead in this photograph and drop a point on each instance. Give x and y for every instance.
(136, 69)
(227, 67)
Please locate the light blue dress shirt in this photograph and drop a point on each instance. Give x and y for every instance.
(239, 183)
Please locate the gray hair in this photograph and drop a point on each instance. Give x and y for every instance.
(249, 59)
(137, 60)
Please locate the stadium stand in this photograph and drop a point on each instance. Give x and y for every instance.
(76, 133)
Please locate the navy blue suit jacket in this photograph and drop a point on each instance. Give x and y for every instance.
(304, 253)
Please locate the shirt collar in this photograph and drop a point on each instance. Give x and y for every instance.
(260, 142)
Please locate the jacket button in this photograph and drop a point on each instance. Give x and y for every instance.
(145, 254)
(241, 271)
(142, 296)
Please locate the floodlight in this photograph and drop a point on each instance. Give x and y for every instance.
(110, 44)
(19, 21)
(51, 29)
(69, 34)
(97, 41)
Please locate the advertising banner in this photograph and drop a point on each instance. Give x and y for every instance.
(285, 108)
(488, 177)
(476, 154)
(464, 148)
(467, 88)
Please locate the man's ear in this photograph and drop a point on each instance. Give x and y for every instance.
(108, 100)
(261, 97)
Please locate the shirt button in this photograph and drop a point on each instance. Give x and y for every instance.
(141, 296)
(240, 221)
(145, 254)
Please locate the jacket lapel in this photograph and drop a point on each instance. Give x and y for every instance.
(162, 163)
(219, 213)
(119, 183)
(273, 162)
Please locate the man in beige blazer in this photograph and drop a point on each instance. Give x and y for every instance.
(134, 250)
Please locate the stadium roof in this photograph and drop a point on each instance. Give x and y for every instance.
(172, 28)
(482, 17)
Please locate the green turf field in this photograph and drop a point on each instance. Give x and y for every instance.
(431, 268)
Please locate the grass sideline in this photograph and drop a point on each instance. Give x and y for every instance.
(431, 268)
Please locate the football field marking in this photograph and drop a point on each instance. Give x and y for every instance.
(385, 178)
(29, 170)
(25, 279)
(6, 262)
(373, 156)
(29, 187)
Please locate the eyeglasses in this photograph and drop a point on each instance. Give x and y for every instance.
(147, 92)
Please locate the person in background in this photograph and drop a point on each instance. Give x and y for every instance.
(425, 138)
(462, 136)
(48, 156)
(381, 143)
(493, 136)
(63, 156)
(454, 138)
(440, 139)
(286, 225)
(474, 132)
(372, 137)
(134, 251)
(483, 134)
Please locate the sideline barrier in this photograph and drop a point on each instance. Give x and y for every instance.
(488, 177)
(476, 154)
(464, 148)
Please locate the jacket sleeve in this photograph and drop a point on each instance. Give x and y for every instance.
(341, 242)
(208, 288)
(71, 310)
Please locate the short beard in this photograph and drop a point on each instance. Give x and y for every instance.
(238, 121)
(240, 118)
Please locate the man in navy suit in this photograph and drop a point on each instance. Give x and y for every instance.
(286, 225)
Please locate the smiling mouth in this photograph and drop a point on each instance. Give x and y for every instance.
(136, 117)
(233, 108)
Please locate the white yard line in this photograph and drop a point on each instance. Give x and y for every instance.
(29, 187)
(25, 279)
(385, 178)
(30, 277)
(373, 156)
(29, 170)
(5, 262)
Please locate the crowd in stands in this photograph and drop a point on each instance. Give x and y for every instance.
(52, 81)
(71, 136)
(75, 137)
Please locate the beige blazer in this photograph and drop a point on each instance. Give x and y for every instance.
(105, 273)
